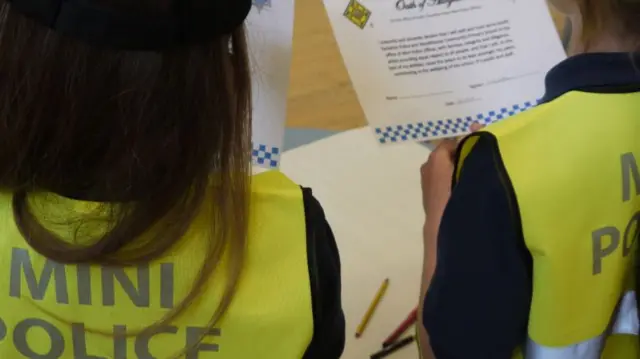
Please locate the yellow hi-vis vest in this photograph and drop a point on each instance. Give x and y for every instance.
(52, 311)
(573, 167)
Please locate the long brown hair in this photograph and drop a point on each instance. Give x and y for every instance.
(152, 136)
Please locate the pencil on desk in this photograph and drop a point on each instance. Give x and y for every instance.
(411, 318)
(372, 308)
(393, 348)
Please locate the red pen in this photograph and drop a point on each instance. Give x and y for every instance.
(401, 329)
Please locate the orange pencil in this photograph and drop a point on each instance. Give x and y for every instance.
(372, 308)
(411, 318)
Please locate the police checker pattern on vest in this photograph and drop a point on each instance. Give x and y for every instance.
(25, 282)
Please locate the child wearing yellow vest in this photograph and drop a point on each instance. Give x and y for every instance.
(130, 226)
(529, 250)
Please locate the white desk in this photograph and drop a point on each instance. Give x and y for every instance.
(371, 196)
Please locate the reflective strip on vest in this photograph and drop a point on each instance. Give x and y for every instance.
(626, 322)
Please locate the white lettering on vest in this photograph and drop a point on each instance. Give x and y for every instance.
(142, 340)
(56, 346)
(119, 342)
(21, 263)
(629, 169)
(83, 274)
(196, 339)
(603, 248)
(194, 336)
(78, 339)
(139, 296)
(22, 267)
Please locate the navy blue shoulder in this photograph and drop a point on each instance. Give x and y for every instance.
(481, 290)
(326, 290)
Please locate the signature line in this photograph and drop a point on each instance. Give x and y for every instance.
(424, 95)
(511, 78)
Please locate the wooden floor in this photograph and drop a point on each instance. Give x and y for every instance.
(321, 95)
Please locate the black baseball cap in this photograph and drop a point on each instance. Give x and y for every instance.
(96, 24)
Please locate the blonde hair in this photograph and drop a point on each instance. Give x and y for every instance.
(618, 17)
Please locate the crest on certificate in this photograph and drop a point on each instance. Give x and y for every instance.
(357, 13)
(261, 4)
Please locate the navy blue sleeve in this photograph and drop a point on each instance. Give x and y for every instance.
(478, 303)
(326, 288)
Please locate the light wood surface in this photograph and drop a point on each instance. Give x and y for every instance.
(362, 187)
(321, 95)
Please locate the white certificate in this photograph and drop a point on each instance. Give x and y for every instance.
(427, 69)
(270, 37)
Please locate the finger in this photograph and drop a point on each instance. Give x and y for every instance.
(476, 127)
(447, 148)
(448, 145)
(443, 148)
